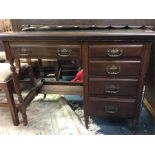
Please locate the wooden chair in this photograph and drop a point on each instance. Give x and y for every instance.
(8, 78)
(7, 87)
(49, 68)
(45, 68)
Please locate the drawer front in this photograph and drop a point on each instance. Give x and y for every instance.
(52, 51)
(112, 107)
(112, 87)
(102, 68)
(115, 51)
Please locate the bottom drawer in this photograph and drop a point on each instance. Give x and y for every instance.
(112, 107)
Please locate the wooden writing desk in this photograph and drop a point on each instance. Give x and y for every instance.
(115, 63)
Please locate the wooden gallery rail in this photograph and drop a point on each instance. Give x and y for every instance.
(114, 61)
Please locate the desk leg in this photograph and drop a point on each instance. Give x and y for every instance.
(86, 120)
(22, 108)
(134, 126)
(85, 69)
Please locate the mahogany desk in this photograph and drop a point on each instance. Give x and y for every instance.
(115, 63)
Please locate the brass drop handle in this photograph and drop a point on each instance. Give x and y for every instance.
(64, 52)
(113, 70)
(25, 51)
(114, 52)
(111, 109)
(112, 89)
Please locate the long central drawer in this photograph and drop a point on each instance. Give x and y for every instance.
(42, 50)
(113, 86)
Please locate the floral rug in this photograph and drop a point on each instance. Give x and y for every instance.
(50, 116)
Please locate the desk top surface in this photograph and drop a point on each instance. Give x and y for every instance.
(77, 34)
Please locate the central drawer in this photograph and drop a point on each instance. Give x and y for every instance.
(117, 67)
(113, 86)
(46, 51)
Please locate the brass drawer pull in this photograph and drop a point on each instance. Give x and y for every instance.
(112, 89)
(111, 109)
(64, 52)
(113, 70)
(114, 52)
(24, 51)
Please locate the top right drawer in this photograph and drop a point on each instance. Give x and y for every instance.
(115, 50)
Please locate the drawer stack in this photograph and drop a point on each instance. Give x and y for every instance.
(114, 72)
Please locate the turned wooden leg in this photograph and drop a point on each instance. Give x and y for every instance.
(11, 104)
(18, 92)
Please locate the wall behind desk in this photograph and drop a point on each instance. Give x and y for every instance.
(136, 22)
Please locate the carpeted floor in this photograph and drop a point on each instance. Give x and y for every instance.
(109, 126)
(50, 116)
(57, 115)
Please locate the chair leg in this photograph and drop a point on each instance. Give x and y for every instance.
(44, 96)
(40, 66)
(56, 70)
(11, 104)
(24, 115)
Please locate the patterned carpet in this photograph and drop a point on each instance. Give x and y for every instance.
(58, 115)
(50, 116)
(113, 126)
